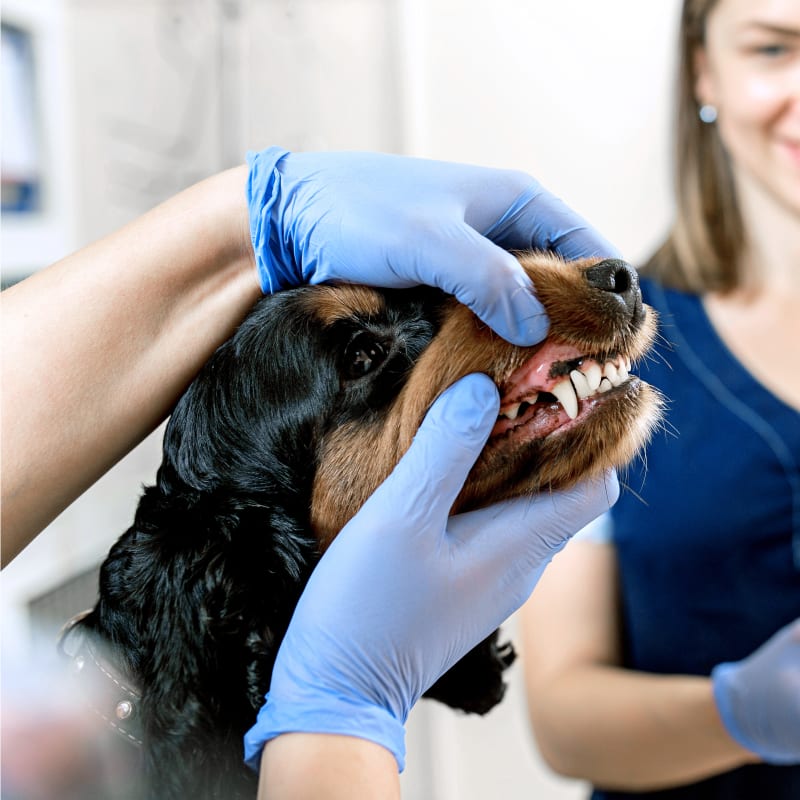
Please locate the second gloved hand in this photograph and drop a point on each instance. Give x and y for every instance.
(393, 221)
(406, 590)
(759, 698)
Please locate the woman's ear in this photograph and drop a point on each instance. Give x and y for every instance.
(703, 84)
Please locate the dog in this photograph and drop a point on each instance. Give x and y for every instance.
(286, 431)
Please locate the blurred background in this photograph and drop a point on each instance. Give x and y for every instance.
(110, 106)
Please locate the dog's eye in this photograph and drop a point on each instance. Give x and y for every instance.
(362, 355)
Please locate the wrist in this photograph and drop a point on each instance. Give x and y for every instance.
(302, 765)
(318, 712)
(212, 238)
(234, 244)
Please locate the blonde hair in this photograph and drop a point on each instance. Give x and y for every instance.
(701, 251)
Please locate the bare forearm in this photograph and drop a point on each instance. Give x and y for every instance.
(632, 731)
(98, 347)
(305, 766)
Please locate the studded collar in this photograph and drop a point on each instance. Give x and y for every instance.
(107, 692)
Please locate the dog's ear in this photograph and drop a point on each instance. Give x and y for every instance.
(244, 424)
(475, 683)
(195, 599)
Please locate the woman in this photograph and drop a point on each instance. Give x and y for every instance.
(664, 654)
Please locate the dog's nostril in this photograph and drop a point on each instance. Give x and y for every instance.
(622, 281)
(618, 278)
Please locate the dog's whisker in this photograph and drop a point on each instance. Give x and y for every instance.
(627, 487)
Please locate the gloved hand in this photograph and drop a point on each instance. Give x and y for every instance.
(759, 697)
(405, 591)
(392, 221)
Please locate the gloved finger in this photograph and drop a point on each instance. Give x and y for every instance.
(538, 219)
(482, 276)
(510, 543)
(428, 478)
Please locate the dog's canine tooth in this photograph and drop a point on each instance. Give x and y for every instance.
(580, 383)
(627, 362)
(605, 385)
(624, 371)
(565, 392)
(594, 374)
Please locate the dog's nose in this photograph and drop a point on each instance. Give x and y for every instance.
(620, 279)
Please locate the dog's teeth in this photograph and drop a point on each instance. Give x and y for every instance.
(580, 383)
(627, 362)
(593, 375)
(605, 385)
(624, 372)
(565, 393)
(610, 372)
(513, 411)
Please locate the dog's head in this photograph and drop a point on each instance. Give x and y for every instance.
(287, 430)
(321, 390)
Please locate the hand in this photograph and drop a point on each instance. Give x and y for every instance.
(759, 698)
(405, 590)
(392, 221)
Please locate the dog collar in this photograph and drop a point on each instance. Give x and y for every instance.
(105, 690)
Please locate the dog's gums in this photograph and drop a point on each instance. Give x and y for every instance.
(289, 428)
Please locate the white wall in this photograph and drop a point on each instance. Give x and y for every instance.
(575, 92)
(162, 92)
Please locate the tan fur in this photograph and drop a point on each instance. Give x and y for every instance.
(357, 458)
(341, 302)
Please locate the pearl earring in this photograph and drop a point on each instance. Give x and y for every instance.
(708, 113)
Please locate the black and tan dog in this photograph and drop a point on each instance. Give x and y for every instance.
(290, 426)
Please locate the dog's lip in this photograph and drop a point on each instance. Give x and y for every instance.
(536, 373)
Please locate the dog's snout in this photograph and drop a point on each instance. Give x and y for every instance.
(620, 279)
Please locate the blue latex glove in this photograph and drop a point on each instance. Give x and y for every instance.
(759, 698)
(393, 221)
(405, 590)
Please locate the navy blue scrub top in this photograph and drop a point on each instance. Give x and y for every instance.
(709, 551)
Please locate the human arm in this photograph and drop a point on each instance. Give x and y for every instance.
(97, 347)
(405, 591)
(595, 720)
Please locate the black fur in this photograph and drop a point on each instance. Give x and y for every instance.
(196, 596)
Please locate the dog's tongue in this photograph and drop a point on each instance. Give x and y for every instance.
(534, 374)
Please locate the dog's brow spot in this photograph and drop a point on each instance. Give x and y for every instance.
(345, 302)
